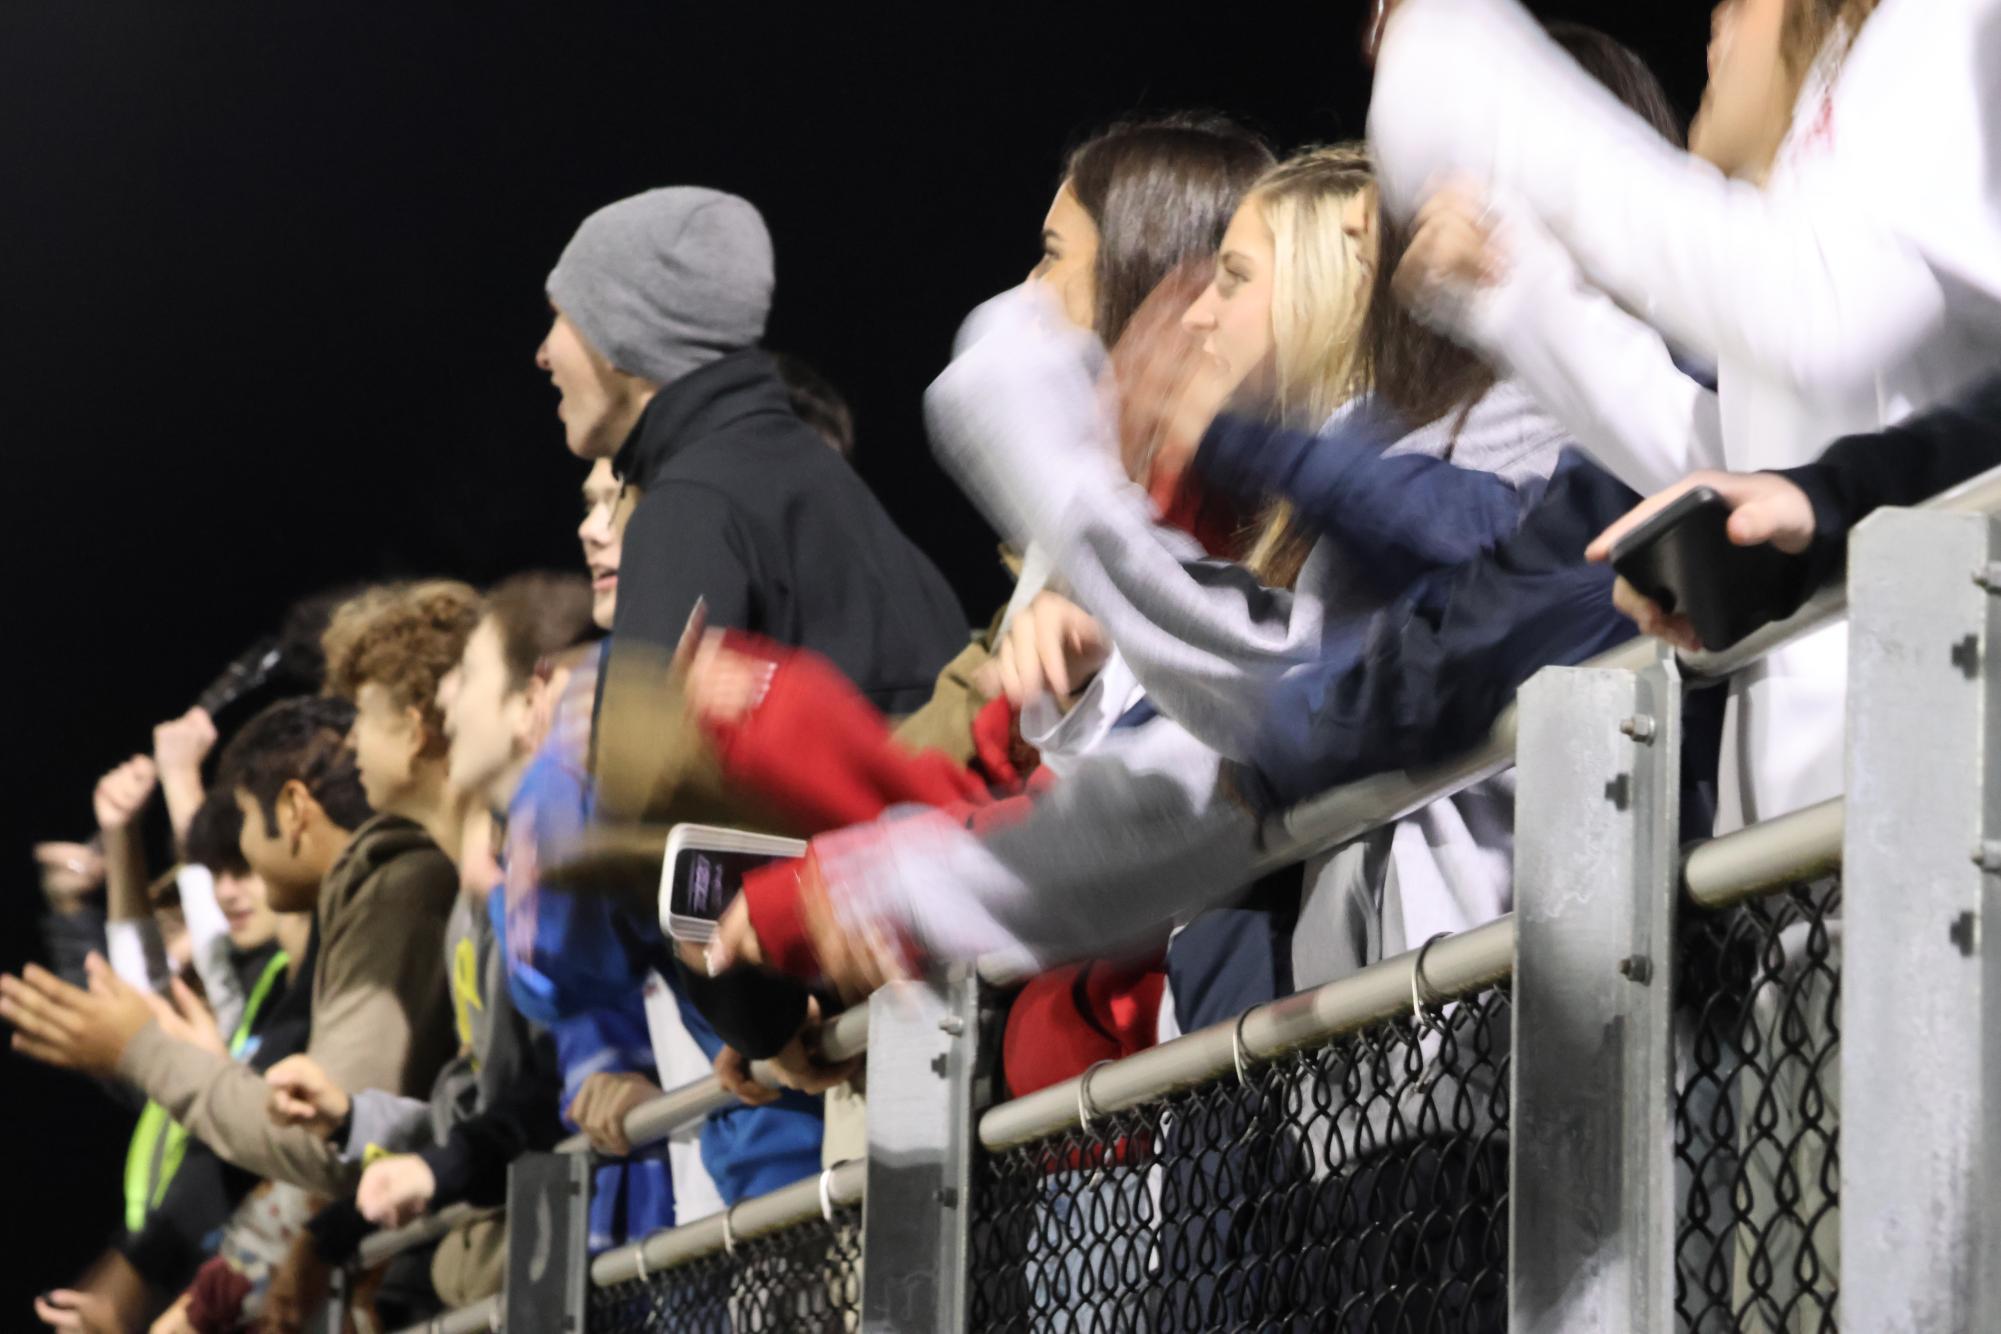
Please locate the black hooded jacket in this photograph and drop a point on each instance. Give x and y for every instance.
(747, 508)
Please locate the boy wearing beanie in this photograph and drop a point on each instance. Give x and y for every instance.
(660, 301)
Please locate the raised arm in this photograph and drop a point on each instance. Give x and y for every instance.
(1818, 285)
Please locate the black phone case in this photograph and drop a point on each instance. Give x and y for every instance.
(1683, 559)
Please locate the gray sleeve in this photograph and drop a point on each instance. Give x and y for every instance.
(383, 1120)
(1017, 418)
(1140, 834)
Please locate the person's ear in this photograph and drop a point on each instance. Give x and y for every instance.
(292, 804)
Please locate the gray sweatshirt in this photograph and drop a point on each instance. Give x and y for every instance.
(1141, 832)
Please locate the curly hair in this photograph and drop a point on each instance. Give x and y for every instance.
(404, 638)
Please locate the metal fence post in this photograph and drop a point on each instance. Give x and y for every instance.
(1597, 820)
(923, 1055)
(1920, 1073)
(548, 1233)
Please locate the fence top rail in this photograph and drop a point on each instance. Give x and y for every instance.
(838, 1187)
(1346, 813)
(843, 1038)
(482, 1317)
(1454, 966)
(1721, 871)
(380, 1246)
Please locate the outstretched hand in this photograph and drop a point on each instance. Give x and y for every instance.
(70, 1027)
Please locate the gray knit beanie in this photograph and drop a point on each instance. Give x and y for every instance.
(667, 281)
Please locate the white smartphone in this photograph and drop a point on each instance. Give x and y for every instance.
(704, 870)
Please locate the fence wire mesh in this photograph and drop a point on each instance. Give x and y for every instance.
(1361, 1186)
(804, 1279)
(1758, 1114)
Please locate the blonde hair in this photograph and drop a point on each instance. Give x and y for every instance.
(1320, 291)
(1810, 25)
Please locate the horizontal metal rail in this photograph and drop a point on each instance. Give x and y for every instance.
(841, 1185)
(1802, 846)
(380, 1246)
(1722, 871)
(1454, 966)
(843, 1038)
(480, 1318)
(1346, 813)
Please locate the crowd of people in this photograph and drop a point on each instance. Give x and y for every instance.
(1304, 462)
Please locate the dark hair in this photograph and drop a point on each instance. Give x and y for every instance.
(1424, 376)
(214, 837)
(1624, 75)
(297, 739)
(1161, 192)
(818, 403)
(538, 614)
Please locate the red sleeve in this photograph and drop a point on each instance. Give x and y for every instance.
(771, 897)
(821, 755)
(1067, 1020)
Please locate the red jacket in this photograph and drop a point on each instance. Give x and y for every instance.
(822, 757)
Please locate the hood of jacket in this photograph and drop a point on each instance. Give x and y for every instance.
(701, 404)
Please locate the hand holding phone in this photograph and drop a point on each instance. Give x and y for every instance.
(1683, 559)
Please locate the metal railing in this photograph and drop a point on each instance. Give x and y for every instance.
(1618, 1107)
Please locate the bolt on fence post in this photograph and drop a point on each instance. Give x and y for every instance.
(1597, 830)
(548, 1234)
(1921, 994)
(923, 1054)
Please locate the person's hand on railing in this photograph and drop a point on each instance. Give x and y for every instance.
(1765, 507)
(303, 1094)
(179, 748)
(601, 1105)
(70, 1027)
(1052, 646)
(395, 1190)
(796, 1067)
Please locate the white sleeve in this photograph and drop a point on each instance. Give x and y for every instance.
(1818, 286)
(208, 933)
(1606, 376)
(132, 947)
(1020, 421)
(1140, 834)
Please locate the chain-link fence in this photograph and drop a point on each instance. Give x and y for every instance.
(1758, 1113)
(1359, 1186)
(804, 1279)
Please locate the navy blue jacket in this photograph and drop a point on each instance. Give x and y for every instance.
(1489, 581)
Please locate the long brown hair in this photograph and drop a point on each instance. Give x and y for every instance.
(1161, 192)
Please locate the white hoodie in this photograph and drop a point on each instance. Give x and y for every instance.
(1862, 284)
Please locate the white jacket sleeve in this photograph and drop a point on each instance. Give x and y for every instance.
(208, 932)
(1019, 420)
(1140, 834)
(1817, 285)
(1606, 376)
